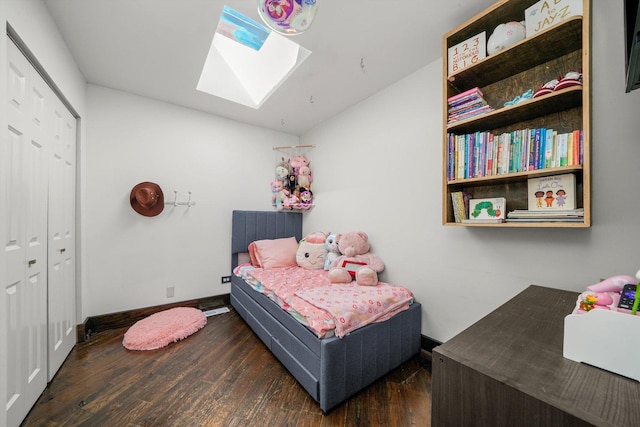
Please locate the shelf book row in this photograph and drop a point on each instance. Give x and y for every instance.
(483, 154)
(467, 104)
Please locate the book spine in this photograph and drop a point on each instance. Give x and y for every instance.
(467, 161)
(490, 152)
(511, 152)
(548, 148)
(543, 145)
(505, 152)
(499, 155)
(581, 148)
(517, 146)
(529, 153)
(577, 142)
(461, 156)
(537, 142)
(451, 155)
(464, 101)
(473, 158)
(482, 169)
(563, 149)
(531, 134)
(475, 90)
(456, 207)
(469, 114)
(465, 205)
(468, 106)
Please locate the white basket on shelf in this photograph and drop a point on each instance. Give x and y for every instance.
(607, 339)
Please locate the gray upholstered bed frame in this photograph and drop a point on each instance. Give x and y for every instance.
(330, 369)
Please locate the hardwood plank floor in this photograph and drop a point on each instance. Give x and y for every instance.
(221, 376)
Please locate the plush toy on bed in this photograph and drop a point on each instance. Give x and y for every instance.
(356, 260)
(331, 244)
(311, 251)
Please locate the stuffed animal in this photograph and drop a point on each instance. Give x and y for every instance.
(278, 194)
(354, 247)
(284, 173)
(283, 170)
(290, 201)
(331, 244)
(306, 196)
(297, 162)
(590, 300)
(304, 177)
(311, 251)
(505, 35)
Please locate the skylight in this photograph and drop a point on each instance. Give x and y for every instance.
(247, 62)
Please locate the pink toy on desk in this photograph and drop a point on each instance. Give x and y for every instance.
(612, 284)
(590, 300)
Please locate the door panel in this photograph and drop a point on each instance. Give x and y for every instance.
(25, 242)
(61, 300)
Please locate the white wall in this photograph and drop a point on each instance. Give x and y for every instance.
(132, 259)
(378, 168)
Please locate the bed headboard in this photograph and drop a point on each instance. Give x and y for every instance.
(248, 226)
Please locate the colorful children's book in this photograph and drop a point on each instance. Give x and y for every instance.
(485, 209)
(556, 192)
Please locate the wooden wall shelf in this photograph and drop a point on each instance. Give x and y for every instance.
(528, 64)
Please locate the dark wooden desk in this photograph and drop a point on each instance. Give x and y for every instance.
(507, 370)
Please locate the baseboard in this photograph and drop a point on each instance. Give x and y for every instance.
(123, 319)
(428, 344)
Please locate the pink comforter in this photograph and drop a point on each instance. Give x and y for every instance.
(326, 306)
(352, 306)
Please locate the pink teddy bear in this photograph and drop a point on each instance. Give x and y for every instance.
(354, 247)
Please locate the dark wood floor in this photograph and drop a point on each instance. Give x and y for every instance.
(221, 376)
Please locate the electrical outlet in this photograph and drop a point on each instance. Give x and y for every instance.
(170, 292)
(225, 279)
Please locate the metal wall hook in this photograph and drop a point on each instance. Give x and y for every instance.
(175, 202)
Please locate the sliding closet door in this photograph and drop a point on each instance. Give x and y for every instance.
(61, 301)
(23, 209)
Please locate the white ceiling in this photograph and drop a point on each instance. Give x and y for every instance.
(156, 49)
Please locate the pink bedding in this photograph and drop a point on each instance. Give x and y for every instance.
(325, 307)
(352, 306)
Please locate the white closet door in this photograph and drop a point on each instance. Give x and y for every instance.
(23, 209)
(62, 290)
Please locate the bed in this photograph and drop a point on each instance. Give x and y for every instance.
(330, 369)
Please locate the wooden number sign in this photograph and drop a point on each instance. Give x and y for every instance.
(467, 53)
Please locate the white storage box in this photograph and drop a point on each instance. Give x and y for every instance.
(606, 339)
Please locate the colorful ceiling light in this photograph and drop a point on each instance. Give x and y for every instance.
(288, 17)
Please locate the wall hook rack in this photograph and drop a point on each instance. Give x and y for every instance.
(175, 202)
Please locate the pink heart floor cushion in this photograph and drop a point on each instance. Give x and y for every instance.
(163, 328)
